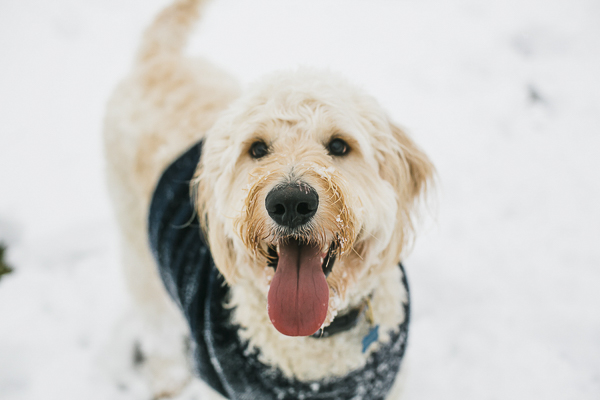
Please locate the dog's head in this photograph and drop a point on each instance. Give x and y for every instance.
(307, 191)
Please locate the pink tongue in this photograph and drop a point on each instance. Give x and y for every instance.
(299, 295)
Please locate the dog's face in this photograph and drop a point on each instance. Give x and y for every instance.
(306, 191)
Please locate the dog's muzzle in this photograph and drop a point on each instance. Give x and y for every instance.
(292, 205)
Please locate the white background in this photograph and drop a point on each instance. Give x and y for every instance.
(504, 95)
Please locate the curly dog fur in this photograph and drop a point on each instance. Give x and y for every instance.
(367, 197)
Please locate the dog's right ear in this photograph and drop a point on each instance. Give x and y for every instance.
(213, 229)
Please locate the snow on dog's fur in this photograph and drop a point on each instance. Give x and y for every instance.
(367, 196)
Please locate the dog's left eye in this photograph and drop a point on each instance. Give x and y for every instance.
(337, 147)
(259, 149)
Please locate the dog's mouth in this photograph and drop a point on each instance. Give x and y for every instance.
(299, 295)
(328, 261)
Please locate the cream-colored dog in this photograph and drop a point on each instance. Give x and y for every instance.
(306, 192)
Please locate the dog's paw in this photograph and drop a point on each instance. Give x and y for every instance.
(148, 359)
(167, 375)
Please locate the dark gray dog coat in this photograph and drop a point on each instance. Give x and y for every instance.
(221, 358)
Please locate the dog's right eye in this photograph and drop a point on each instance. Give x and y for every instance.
(259, 149)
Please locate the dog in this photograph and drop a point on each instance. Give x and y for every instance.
(278, 217)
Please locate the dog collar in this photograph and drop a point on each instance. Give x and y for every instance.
(340, 324)
(222, 359)
(347, 321)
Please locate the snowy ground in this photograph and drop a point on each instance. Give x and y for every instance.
(504, 95)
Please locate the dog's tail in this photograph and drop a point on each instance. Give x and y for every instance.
(168, 34)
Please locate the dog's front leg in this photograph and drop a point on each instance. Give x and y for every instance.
(153, 334)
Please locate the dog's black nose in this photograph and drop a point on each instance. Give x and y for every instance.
(292, 204)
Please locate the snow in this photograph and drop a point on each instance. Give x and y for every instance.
(503, 95)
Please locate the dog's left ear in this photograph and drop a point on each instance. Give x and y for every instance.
(405, 166)
(409, 171)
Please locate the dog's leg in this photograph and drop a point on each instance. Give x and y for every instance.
(150, 341)
(160, 348)
(163, 107)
